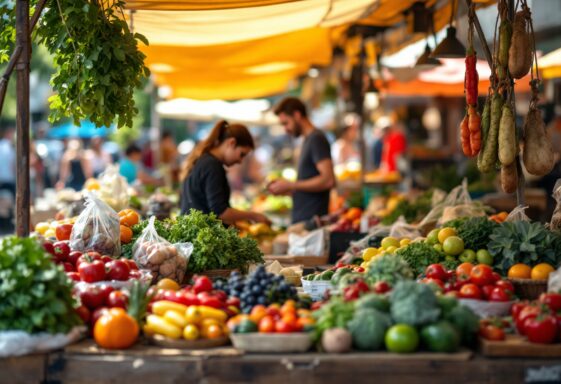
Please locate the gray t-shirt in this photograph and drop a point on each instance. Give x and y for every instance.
(308, 204)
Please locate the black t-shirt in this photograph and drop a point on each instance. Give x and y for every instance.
(206, 188)
(308, 204)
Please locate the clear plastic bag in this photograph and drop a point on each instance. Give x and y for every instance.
(518, 214)
(555, 224)
(311, 244)
(401, 229)
(163, 259)
(457, 196)
(97, 228)
(113, 188)
(19, 343)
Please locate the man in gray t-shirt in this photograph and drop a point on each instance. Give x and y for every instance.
(310, 192)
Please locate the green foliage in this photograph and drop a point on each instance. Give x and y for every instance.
(389, 268)
(35, 294)
(414, 304)
(475, 231)
(524, 242)
(215, 247)
(419, 256)
(97, 61)
(368, 328)
(412, 211)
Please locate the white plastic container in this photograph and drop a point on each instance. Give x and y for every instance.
(316, 288)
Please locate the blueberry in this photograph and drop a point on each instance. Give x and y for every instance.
(262, 300)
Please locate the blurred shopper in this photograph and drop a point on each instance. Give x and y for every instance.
(8, 156)
(345, 149)
(36, 172)
(130, 167)
(99, 158)
(205, 186)
(310, 192)
(168, 158)
(394, 147)
(549, 180)
(75, 169)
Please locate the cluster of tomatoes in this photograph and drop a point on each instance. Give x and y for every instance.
(91, 267)
(477, 282)
(275, 318)
(539, 321)
(96, 300)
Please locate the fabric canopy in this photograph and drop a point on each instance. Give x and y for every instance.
(199, 5)
(550, 64)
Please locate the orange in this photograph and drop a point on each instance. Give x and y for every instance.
(129, 217)
(116, 330)
(212, 331)
(541, 271)
(126, 234)
(257, 313)
(520, 271)
(267, 324)
(305, 321)
(167, 284)
(445, 233)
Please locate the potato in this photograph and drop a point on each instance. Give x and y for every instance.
(537, 154)
(509, 178)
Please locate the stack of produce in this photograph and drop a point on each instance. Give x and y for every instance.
(413, 316)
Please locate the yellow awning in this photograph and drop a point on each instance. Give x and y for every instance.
(550, 64)
(199, 5)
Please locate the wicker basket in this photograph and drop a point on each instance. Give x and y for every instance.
(528, 289)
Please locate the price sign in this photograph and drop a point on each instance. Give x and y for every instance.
(543, 374)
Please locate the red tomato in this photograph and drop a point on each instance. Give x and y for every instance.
(202, 284)
(517, 308)
(187, 298)
(382, 287)
(209, 300)
(528, 312)
(84, 314)
(92, 297)
(436, 282)
(106, 259)
(61, 251)
(97, 314)
(73, 257)
(75, 276)
(63, 231)
(233, 301)
(436, 271)
(486, 290)
(267, 324)
(463, 270)
(481, 275)
(497, 277)
(87, 257)
(48, 246)
(68, 267)
(90, 272)
(132, 264)
(220, 295)
(541, 329)
(499, 294)
(552, 300)
(118, 270)
(506, 285)
(117, 299)
(273, 311)
(470, 291)
(492, 332)
(135, 274)
(282, 327)
(106, 290)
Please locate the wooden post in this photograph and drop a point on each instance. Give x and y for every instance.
(22, 119)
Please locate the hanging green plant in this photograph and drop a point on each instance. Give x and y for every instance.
(96, 57)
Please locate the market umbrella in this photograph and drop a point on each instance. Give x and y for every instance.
(550, 64)
(86, 130)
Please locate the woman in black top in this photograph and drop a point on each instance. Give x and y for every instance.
(205, 186)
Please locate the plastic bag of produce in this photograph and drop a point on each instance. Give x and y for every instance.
(163, 259)
(555, 224)
(518, 214)
(113, 188)
(458, 196)
(554, 281)
(311, 244)
(402, 229)
(19, 343)
(97, 228)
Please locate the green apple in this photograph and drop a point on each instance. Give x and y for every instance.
(467, 256)
(453, 245)
(432, 237)
(438, 247)
(484, 257)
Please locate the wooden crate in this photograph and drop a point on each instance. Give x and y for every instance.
(518, 346)
(306, 261)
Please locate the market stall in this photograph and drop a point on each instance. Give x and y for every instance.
(437, 286)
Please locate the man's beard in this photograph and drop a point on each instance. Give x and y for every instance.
(297, 130)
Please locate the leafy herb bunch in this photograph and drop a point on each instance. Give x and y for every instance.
(97, 60)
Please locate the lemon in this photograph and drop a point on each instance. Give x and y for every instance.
(391, 249)
(42, 227)
(404, 242)
(388, 242)
(445, 233)
(369, 253)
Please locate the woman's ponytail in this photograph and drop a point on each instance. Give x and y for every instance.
(220, 132)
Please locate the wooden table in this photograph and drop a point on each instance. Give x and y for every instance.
(146, 364)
